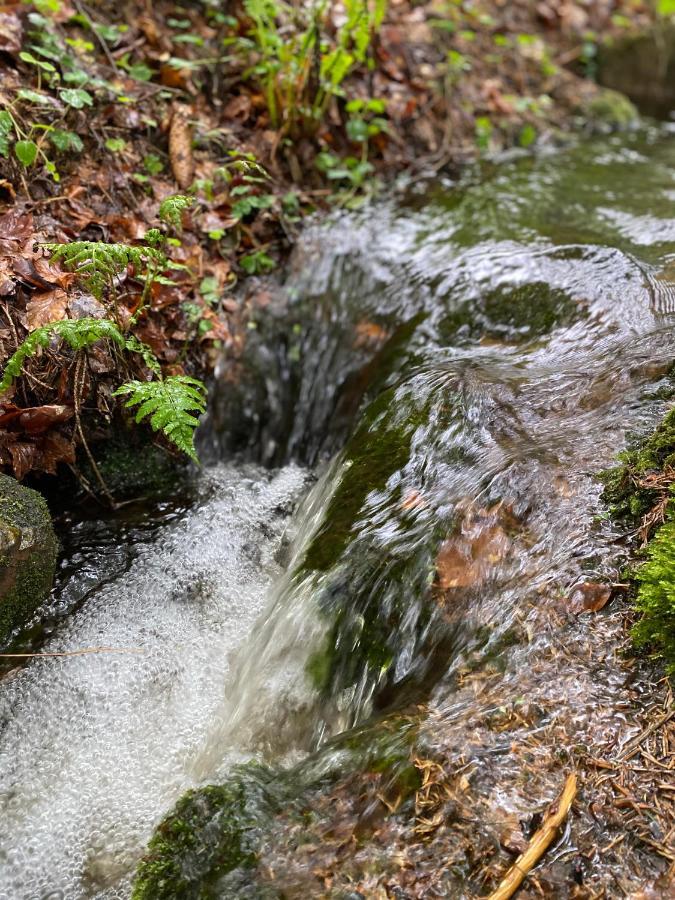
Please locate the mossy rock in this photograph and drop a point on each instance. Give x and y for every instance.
(208, 846)
(642, 66)
(655, 452)
(132, 467)
(210, 832)
(609, 110)
(27, 554)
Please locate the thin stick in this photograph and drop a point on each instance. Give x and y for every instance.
(633, 746)
(75, 652)
(555, 816)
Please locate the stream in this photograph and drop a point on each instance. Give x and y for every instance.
(399, 504)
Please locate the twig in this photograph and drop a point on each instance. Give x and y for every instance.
(77, 396)
(634, 745)
(555, 816)
(75, 652)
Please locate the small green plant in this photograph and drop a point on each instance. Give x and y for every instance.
(169, 404)
(298, 70)
(171, 210)
(365, 119)
(258, 263)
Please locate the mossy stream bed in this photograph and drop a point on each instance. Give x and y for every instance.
(372, 647)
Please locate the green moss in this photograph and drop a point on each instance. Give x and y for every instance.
(627, 499)
(132, 467)
(610, 109)
(656, 596)
(27, 554)
(211, 839)
(210, 832)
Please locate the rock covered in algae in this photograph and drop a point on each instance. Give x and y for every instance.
(27, 553)
(210, 843)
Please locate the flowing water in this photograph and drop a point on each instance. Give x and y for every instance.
(455, 366)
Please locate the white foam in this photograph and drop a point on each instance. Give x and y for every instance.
(95, 749)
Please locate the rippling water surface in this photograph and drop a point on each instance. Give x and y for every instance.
(456, 367)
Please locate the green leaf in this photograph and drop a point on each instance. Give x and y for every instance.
(78, 98)
(33, 97)
(528, 135)
(65, 141)
(26, 151)
(41, 64)
(115, 145)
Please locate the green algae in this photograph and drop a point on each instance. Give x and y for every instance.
(27, 554)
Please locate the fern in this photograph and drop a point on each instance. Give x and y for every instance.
(171, 209)
(77, 333)
(169, 404)
(98, 263)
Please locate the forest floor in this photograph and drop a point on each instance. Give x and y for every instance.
(108, 109)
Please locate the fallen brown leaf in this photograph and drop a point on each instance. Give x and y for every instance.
(44, 308)
(589, 597)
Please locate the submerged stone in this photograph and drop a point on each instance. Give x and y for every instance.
(27, 554)
(209, 845)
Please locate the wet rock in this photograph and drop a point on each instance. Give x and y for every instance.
(27, 553)
(642, 66)
(209, 844)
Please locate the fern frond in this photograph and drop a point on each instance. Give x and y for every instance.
(97, 263)
(77, 333)
(171, 209)
(169, 405)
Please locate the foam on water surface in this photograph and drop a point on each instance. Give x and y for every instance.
(94, 749)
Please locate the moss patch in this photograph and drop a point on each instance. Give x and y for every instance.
(210, 841)
(210, 832)
(656, 596)
(643, 480)
(27, 554)
(610, 109)
(625, 491)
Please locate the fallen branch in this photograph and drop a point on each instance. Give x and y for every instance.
(553, 819)
(75, 652)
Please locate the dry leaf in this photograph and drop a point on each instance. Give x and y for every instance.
(589, 597)
(44, 308)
